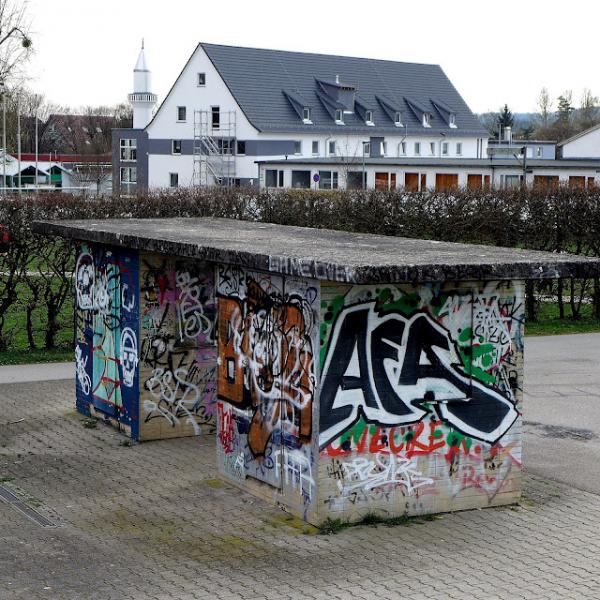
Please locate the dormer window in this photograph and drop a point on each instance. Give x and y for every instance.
(452, 120)
(369, 117)
(426, 120)
(398, 119)
(339, 116)
(306, 115)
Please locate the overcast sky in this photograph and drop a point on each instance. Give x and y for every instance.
(493, 52)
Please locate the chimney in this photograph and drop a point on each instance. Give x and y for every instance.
(508, 134)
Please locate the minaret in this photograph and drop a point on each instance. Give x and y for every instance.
(142, 99)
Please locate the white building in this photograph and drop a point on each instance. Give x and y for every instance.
(231, 107)
(583, 145)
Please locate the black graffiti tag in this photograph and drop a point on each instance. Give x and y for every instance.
(386, 367)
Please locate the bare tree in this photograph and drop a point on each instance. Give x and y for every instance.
(15, 40)
(545, 106)
(587, 115)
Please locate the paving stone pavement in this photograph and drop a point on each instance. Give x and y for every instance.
(153, 521)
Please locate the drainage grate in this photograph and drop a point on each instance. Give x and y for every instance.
(31, 513)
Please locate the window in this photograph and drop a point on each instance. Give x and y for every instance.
(398, 119)
(216, 117)
(328, 180)
(128, 150)
(297, 147)
(339, 116)
(369, 117)
(273, 178)
(315, 147)
(356, 180)
(331, 148)
(402, 149)
(432, 148)
(174, 179)
(452, 120)
(201, 78)
(128, 178)
(417, 148)
(538, 151)
(176, 146)
(426, 120)
(181, 113)
(458, 148)
(444, 148)
(306, 114)
(383, 148)
(301, 179)
(240, 148)
(224, 146)
(366, 148)
(512, 181)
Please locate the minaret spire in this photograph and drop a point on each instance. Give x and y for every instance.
(142, 99)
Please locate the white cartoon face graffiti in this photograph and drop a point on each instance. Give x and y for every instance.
(129, 356)
(84, 281)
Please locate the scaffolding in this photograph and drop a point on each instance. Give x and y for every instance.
(214, 147)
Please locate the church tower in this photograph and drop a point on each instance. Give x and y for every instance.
(142, 99)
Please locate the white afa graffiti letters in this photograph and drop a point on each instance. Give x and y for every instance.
(129, 356)
(395, 370)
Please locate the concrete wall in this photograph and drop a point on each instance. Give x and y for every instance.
(268, 350)
(385, 349)
(178, 355)
(146, 351)
(107, 334)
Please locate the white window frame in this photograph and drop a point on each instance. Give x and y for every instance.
(369, 117)
(173, 151)
(298, 147)
(313, 147)
(452, 121)
(458, 148)
(127, 181)
(212, 115)
(339, 113)
(432, 148)
(171, 180)
(201, 79)
(402, 149)
(445, 148)
(383, 148)
(398, 119)
(417, 148)
(179, 109)
(366, 149)
(279, 178)
(237, 147)
(538, 152)
(426, 119)
(128, 150)
(306, 116)
(334, 180)
(332, 144)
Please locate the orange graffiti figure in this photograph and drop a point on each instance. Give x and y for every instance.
(266, 365)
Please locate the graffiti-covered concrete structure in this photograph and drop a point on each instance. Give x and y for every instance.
(343, 373)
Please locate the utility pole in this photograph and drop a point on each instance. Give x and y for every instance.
(19, 140)
(36, 148)
(3, 89)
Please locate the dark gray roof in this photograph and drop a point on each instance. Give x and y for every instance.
(257, 78)
(321, 253)
(458, 163)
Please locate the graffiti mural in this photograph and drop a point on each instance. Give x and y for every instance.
(414, 377)
(178, 352)
(267, 375)
(106, 316)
